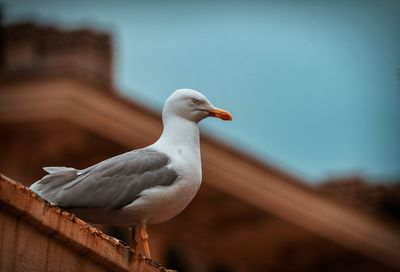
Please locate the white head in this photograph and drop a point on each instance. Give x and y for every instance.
(192, 105)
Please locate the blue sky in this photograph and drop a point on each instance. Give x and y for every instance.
(314, 86)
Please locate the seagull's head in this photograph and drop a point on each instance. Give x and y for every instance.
(192, 105)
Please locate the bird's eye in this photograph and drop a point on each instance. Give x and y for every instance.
(195, 101)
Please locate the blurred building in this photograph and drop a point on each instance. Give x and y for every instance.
(58, 106)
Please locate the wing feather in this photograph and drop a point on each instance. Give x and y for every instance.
(112, 183)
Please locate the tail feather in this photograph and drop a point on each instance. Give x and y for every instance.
(49, 186)
(55, 169)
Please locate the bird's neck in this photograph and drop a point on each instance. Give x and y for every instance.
(179, 133)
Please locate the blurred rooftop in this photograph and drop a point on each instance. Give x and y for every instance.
(31, 51)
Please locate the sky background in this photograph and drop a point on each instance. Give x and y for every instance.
(314, 86)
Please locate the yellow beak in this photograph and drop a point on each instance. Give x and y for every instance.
(221, 114)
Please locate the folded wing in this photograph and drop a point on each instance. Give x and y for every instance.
(110, 184)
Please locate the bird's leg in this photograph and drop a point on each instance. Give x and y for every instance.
(145, 240)
(132, 238)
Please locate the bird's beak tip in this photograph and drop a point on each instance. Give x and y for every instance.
(221, 114)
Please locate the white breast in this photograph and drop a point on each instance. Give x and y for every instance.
(180, 142)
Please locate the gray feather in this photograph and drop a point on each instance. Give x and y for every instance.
(55, 169)
(110, 184)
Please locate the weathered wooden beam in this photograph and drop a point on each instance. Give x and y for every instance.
(36, 236)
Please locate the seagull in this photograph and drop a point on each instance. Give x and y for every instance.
(144, 186)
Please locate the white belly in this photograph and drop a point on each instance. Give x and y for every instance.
(160, 204)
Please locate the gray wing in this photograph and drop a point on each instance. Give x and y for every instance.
(113, 183)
